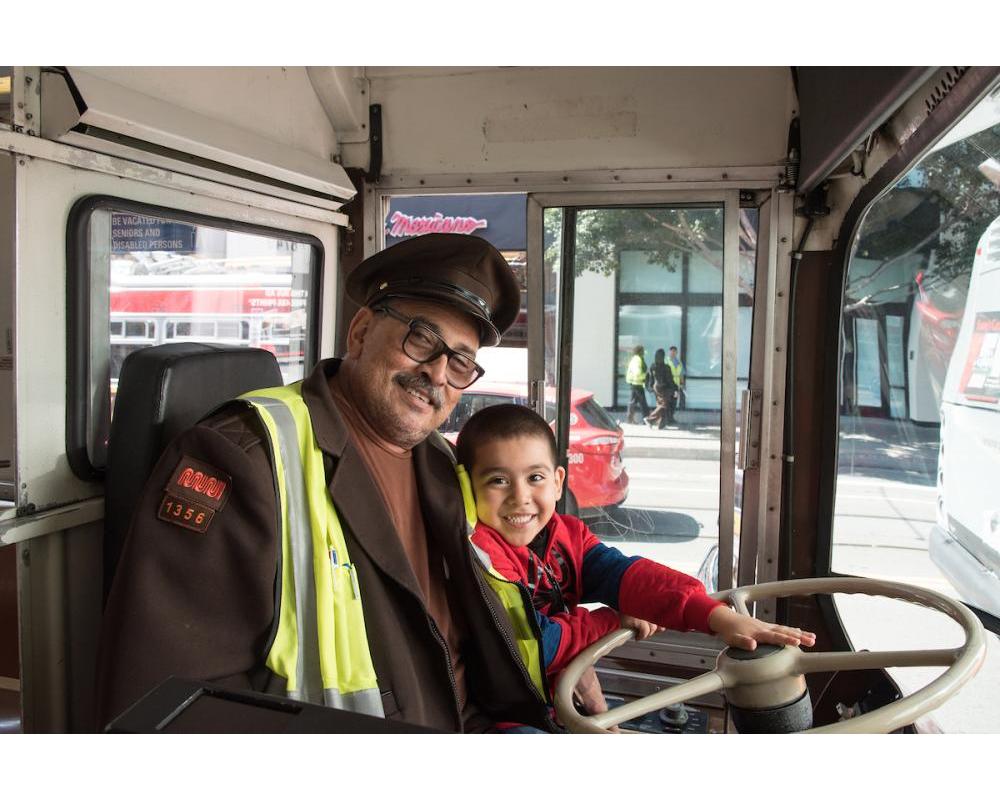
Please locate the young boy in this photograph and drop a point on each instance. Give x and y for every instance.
(510, 454)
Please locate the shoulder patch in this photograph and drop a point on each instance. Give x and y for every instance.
(199, 484)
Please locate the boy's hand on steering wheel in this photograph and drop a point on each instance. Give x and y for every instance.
(738, 630)
(642, 628)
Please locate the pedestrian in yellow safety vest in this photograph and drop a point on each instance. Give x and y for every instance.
(635, 377)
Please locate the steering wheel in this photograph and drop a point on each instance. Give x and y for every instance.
(776, 680)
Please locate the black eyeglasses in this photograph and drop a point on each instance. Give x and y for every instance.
(422, 345)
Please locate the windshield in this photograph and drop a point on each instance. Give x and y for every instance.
(919, 450)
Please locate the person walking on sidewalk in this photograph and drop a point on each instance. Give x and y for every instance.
(661, 381)
(677, 369)
(635, 377)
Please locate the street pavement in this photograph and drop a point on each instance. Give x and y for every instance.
(866, 444)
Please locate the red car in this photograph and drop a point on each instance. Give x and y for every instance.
(941, 316)
(597, 476)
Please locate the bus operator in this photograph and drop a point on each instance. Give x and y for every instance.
(312, 540)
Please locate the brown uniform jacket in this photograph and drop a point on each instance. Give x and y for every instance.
(201, 605)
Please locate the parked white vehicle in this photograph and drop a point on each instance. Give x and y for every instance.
(965, 542)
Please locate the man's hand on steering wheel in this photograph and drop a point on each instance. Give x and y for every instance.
(589, 695)
(738, 630)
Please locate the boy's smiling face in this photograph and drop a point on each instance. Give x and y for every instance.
(516, 486)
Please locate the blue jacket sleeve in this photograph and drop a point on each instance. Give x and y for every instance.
(551, 637)
(603, 568)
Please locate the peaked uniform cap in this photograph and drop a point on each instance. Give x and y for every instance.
(463, 271)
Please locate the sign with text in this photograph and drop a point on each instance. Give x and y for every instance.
(138, 233)
(498, 218)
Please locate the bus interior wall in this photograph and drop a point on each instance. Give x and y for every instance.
(811, 349)
(352, 250)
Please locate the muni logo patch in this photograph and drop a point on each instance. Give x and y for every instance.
(200, 483)
(193, 495)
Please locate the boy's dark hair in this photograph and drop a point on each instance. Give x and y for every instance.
(502, 422)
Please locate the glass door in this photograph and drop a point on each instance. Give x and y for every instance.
(629, 287)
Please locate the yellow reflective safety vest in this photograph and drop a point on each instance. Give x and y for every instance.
(636, 372)
(320, 647)
(677, 370)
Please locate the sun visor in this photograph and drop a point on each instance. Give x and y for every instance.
(78, 107)
(840, 106)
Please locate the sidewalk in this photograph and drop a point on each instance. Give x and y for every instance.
(682, 441)
(695, 436)
(866, 444)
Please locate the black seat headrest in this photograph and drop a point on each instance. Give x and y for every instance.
(162, 391)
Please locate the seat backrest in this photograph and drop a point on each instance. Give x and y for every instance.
(162, 391)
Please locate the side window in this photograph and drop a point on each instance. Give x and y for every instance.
(147, 276)
(919, 450)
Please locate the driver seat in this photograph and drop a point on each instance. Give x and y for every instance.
(162, 391)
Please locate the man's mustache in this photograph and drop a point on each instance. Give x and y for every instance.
(420, 383)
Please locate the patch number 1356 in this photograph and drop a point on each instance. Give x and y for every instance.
(189, 515)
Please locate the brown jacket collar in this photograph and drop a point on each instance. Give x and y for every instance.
(331, 433)
(352, 488)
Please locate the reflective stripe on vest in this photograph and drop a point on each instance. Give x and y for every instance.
(321, 646)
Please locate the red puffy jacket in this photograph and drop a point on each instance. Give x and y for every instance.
(566, 565)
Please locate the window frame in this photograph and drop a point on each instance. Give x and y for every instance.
(81, 329)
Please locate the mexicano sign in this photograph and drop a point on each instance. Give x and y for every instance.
(401, 224)
(498, 218)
